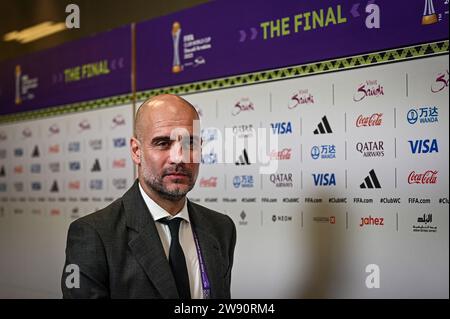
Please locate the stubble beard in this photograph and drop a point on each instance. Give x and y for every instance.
(156, 184)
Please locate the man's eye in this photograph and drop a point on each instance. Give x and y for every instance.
(162, 144)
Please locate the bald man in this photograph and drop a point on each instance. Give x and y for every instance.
(153, 242)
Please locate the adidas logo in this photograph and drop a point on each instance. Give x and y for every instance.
(96, 166)
(54, 188)
(371, 181)
(243, 159)
(35, 152)
(323, 127)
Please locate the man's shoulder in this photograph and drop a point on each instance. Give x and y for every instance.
(106, 216)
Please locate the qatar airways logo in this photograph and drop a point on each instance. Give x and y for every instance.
(376, 119)
(427, 177)
(370, 88)
(243, 105)
(302, 97)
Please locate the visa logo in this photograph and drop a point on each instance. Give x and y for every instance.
(424, 146)
(36, 186)
(281, 127)
(119, 142)
(324, 179)
(74, 166)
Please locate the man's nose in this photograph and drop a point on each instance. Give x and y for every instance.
(177, 153)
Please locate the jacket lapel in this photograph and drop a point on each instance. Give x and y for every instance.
(146, 245)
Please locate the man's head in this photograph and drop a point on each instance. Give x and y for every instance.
(166, 147)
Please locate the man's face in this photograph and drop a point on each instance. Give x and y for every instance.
(168, 150)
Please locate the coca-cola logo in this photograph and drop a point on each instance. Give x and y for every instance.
(208, 182)
(375, 119)
(428, 177)
(368, 88)
(284, 154)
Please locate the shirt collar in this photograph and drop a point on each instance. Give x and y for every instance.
(158, 212)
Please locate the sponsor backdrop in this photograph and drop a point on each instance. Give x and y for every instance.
(64, 152)
(325, 138)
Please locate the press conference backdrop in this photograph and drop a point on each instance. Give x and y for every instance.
(325, 129)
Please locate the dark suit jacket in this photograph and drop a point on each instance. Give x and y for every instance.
(120, 255)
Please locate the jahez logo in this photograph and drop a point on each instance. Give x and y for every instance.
(424, 146)
(371, 221)
(427, 177)
(281, 127)
(326, 179)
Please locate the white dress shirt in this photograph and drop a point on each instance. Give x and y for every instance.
(186, 241)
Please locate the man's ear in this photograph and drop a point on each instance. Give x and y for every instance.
(135, 148)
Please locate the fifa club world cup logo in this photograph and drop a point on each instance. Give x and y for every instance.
(176, 31)
(429, 15)
(18, 75)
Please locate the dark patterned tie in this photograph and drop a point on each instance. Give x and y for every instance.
(176, 258)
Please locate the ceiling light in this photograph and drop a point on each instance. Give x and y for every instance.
(35, 32)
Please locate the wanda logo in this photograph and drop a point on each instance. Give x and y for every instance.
(428, 177)
(373, 120)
